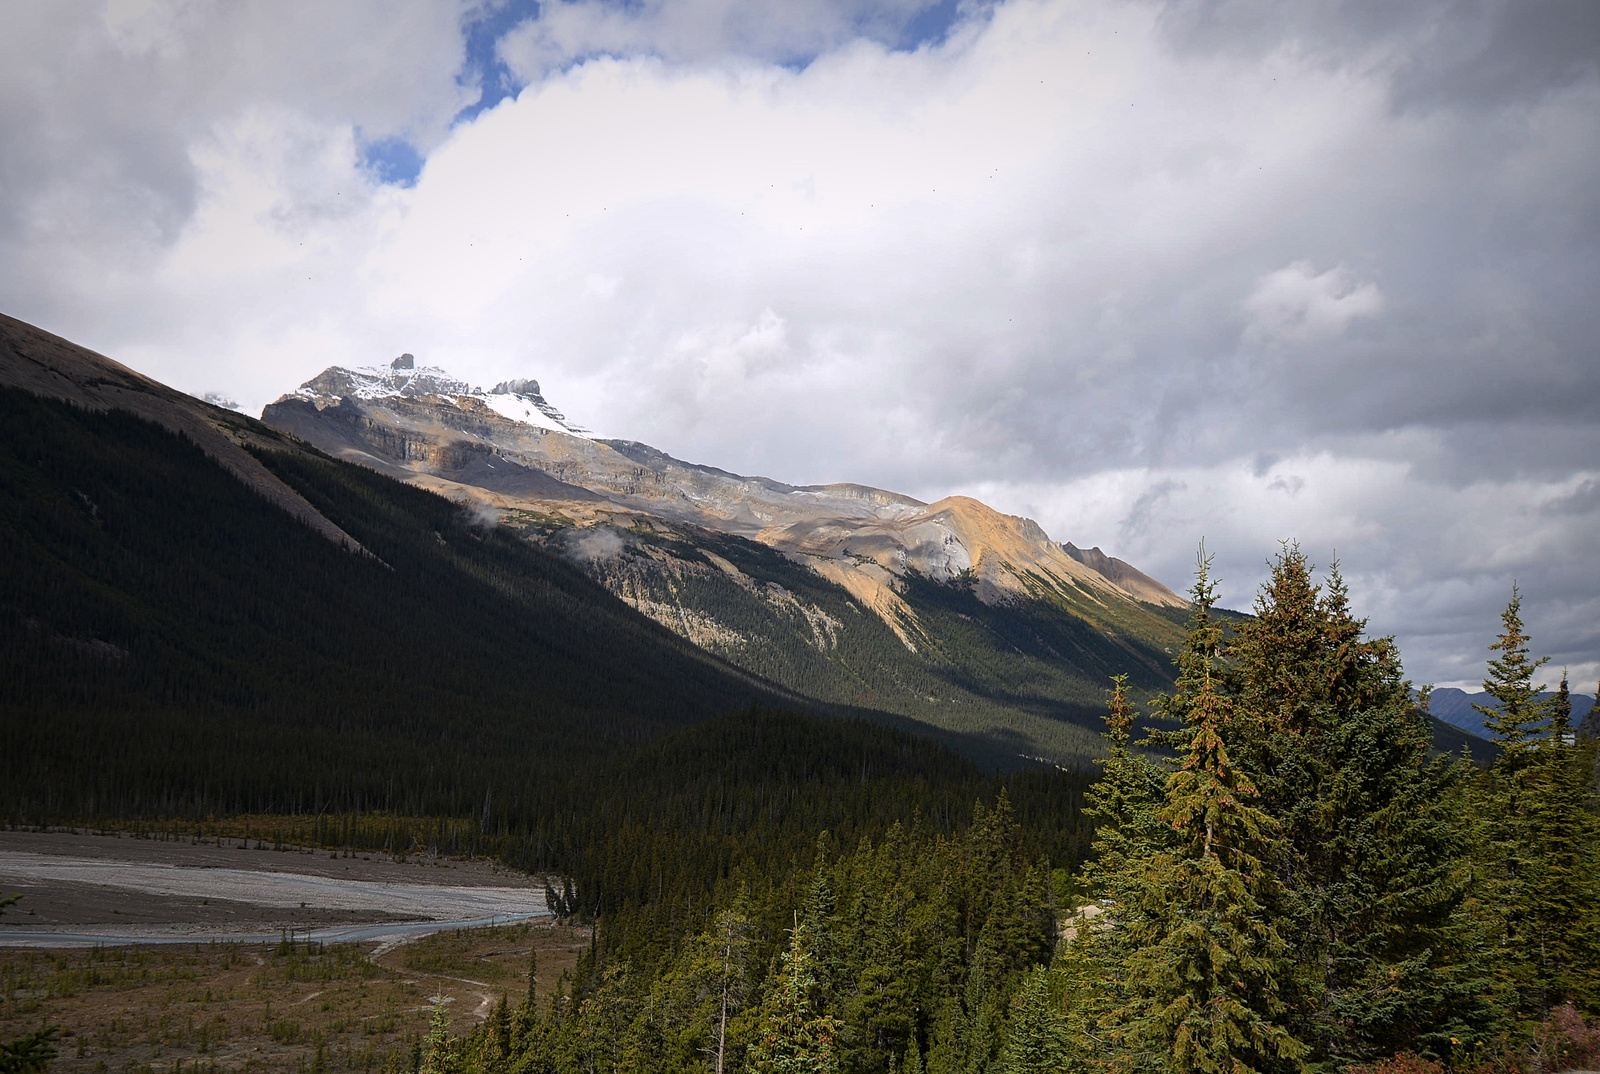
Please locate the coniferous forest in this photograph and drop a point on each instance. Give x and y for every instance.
(1283, 879)
(1270, 870)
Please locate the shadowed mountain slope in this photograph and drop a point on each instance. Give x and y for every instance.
(173, 641)
(951, 614)
(43, 364)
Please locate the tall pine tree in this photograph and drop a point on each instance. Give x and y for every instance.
(794, 1037)
(1508, 844)
(1125, 801)
(1037, 1040)
(1563, 900)
(1207, 970)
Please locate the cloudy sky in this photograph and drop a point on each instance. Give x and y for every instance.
(1144, 271)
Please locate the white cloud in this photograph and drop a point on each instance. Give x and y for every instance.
(1429, 560)
(1297, 304)
(1078, 258)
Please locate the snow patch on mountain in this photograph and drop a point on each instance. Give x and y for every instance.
(521, 400)
(515, 400)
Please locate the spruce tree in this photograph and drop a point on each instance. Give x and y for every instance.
(1037, 1039)
(436, 1045)
(794, 1038)
(1370, 885)
(1508, 844)
(1208, 965)
(1518, 713)
(978, 1038)
(827, 961)
(945, 1035)
(1562, 896)
(1124, 801)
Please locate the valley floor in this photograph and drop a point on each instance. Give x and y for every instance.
(270, 1007)
(102, 945)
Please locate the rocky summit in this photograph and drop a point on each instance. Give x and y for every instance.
(984, 609)
(510, 448)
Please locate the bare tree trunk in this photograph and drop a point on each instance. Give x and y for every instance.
(722, 1028)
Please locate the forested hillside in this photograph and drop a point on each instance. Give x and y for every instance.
(1299, 886)
(172, 643)
(1026, 673)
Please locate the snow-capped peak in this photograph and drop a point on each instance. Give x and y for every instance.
(516, 400)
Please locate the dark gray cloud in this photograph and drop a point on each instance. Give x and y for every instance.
(1455, 53)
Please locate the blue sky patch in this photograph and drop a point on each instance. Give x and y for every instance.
(484, 68)
(393, 160)
(929, 26)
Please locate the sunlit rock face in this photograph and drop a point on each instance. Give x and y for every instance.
(510, 447)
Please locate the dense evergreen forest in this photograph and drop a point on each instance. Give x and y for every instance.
(1285, 879)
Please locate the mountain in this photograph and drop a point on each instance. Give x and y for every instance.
(510, 447)
(1454, 707)
(200, 616)
(315, 633)
(950, 613)
(1123, 575)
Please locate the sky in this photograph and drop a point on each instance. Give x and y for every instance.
(1148, 272)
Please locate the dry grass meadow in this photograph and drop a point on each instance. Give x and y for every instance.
(291, 1006)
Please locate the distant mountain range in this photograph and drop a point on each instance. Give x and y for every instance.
(950, 613)
(1454, 707)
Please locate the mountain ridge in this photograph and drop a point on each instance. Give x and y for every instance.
(427, 426)
(47, 365)
(951, 613)
(1454, 707)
